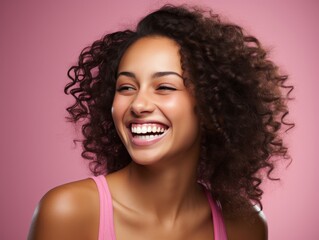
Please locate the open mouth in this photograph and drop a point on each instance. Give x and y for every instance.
(147, 131)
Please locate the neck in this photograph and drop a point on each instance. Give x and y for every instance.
(164, 191)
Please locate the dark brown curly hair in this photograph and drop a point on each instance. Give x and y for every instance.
(241, 100)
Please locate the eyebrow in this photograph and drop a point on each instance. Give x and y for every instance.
(154, 75)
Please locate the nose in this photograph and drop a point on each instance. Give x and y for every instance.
(142, 103)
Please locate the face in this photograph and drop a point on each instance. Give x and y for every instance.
(153, 111)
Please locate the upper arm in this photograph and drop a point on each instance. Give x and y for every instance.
(258, 227)
(61, 214)
(252, 228)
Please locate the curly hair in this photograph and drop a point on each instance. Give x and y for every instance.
(241, 100)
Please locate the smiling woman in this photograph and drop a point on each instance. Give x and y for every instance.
(182, 119)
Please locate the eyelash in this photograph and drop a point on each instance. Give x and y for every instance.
(130, 88)
(166, 88)
(125, 88)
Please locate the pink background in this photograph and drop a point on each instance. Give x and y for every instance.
(41, 39)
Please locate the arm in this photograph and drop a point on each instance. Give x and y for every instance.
(250, 228)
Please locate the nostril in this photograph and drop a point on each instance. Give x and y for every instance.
(141, 105)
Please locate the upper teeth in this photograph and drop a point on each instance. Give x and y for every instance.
(147, 128)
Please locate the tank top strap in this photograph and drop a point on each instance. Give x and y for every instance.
(106, 226)
(218, 220)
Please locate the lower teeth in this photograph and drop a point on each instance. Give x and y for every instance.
(147, 136)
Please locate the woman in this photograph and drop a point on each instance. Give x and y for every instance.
(181, 121)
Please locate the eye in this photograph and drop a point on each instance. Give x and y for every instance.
(125, 88)
(166, 88)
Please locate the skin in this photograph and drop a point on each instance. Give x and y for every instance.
(156, 196)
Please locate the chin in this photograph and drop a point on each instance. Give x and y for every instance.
(146, 161)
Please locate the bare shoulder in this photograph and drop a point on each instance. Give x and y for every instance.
(69, 211)
(253, 227)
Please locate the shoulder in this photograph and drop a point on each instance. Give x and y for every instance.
(252, 227)
(69, 211)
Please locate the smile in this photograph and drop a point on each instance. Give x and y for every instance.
(147, 133)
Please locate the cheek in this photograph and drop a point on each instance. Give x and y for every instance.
(171, 103)
(114, 116)
(117, 114)
(181, 107)
(118, 109)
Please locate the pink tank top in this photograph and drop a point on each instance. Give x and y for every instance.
(106, 228)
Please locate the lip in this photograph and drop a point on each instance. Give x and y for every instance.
(145, 142)
(144, 121)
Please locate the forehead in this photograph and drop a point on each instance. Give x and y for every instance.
(153, 53)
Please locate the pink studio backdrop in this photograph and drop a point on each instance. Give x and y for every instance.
(41, 39)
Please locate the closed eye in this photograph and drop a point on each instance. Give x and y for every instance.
(166, 88)
(124, 88)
